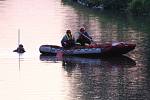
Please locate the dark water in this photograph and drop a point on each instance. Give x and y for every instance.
(32, 76)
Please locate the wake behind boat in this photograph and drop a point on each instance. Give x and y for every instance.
(98, 50)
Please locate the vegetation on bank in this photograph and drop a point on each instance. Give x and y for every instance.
(136, 7)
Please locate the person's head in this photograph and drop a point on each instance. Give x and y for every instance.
(20, 46)
(82, 29)
(68, 31)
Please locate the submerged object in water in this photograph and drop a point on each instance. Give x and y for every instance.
(20, 49)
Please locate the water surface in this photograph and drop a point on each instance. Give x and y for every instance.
(31, 76)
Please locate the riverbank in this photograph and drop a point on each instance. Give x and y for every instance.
(133, 7)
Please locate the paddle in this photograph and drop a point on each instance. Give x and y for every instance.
(18, 40)
(20, 48)
(18, 37)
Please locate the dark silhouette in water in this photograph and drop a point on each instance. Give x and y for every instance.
(74, 60)
(20, 49)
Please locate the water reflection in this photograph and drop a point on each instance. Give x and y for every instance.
(71, 63)
(111, 61)
(72, 78)
(115, 78)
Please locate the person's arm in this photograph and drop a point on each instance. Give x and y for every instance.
(63, 39)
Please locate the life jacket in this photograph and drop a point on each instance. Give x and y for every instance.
(69, 37)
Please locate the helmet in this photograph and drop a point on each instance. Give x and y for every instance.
(82, 29)
(68, 31)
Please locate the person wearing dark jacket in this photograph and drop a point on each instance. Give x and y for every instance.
(68, 40)
(84, 37)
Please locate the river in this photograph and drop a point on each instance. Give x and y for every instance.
(32, 76)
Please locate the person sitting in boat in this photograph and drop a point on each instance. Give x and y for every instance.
(68, 40)
(84, 37)
(20, 49)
